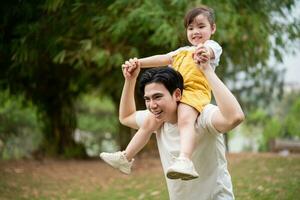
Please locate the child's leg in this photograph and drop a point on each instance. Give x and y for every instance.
(141, 137)
(187, 116)
(123, 160)
(183, 167)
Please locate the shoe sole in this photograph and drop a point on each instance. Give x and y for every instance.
(112, 165)
(182, 176)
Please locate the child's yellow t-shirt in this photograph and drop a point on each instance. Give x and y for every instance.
(197, 91)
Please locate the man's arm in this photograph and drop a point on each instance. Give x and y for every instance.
(230, 113)
(127, 109)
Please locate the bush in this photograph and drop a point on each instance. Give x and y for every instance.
(97, 124)
(20, 133)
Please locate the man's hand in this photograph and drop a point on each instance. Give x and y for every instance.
(131, 68)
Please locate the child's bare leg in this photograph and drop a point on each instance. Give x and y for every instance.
(187, 116)
(141, 137)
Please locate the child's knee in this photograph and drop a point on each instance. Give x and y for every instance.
(151, 124)
(185, 121)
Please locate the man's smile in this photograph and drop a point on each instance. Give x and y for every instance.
(157, 114)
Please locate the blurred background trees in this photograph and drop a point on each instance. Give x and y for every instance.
(59, 57)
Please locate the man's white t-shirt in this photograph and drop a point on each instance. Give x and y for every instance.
(214, 182)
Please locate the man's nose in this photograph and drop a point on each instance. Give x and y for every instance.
(152, 104)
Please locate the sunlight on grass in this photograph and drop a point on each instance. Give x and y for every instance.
(260, 177)
(133, 188)
(266, 178)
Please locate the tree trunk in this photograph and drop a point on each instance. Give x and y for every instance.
(226, 142)
(59, 127)
(124, 136)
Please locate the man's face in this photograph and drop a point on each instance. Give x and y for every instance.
(161, 103)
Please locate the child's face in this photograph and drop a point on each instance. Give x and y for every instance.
(200, 30)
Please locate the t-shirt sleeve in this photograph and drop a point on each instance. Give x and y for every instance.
(140, 117)
(174, 53)
(204, 121)
(177, 51)
(217, 49)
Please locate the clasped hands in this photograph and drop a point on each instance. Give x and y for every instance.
(201, 56)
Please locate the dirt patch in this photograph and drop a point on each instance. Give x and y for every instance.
(65, 179)
(85, 172)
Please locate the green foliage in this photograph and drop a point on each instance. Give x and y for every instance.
(91, 107)
(20, 132)
(292, 120)
(97, 124)
(55, 50)
(280, 121)
(257, 117)
(272, 129)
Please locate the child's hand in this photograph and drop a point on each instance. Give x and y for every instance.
(202, 57)
(131, 68)
(201, 54)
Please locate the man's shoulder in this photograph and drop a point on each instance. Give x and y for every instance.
(208, 109)
(204, 120)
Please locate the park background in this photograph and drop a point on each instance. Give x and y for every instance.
(60, 84)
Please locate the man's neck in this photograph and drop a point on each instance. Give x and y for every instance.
(173, 120)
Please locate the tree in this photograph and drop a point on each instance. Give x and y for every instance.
(292, 124)
(19, 128)
(55, 50)
(278, 120)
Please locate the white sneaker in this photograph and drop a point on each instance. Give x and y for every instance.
(182, 168)
(117, 160)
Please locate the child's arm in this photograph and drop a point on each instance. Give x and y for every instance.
(155, 61)
(152, 61)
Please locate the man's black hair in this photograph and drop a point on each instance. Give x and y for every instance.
(167, 76)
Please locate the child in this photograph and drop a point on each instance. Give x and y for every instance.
(200, 25)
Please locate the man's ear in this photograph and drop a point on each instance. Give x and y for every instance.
(177, 94)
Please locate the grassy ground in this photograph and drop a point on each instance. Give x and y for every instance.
(255, 176)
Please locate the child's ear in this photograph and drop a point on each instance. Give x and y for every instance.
(213, 29)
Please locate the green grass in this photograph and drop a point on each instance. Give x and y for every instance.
(266, 178)
(259, 177)
(138, 188)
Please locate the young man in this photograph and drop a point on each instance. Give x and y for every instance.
(162, 89)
